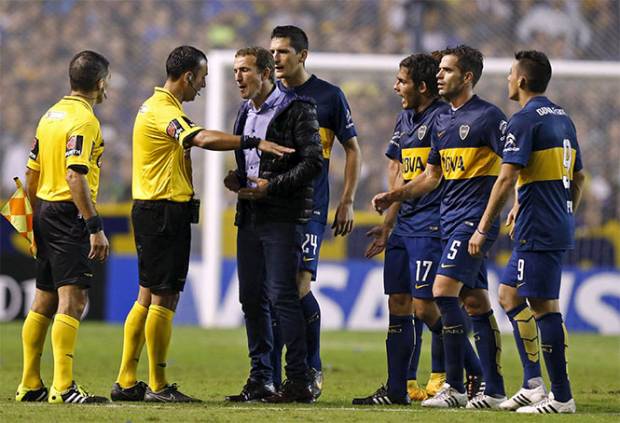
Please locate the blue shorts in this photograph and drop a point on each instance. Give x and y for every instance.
(535, 274)
(457, 263)
(313, 237)
(410, 265)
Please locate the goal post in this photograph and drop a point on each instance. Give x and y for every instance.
(207, 290)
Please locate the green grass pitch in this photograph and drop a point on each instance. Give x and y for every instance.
(210, 364)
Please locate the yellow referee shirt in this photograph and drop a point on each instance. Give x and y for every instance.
(160, 169)
(68, 135)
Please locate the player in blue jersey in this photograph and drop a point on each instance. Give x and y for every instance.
(289, 46)
(541, 157)
(413, 249)
(466, 148)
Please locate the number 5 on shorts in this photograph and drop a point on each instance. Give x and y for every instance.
(454, 249)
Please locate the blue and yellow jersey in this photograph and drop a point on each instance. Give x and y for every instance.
(411, 145)
(335, 121)
(542, 139)
(467, 144)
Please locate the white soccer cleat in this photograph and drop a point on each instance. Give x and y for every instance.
(525, 397)
(481, 401)
(447, 397)
(549, 406)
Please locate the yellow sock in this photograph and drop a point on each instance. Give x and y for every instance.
(158, 330)
(33, 338)
(133, 341)
(64, 335)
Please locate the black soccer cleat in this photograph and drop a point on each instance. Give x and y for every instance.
(24, 394)
(316, 382)
(253, 391)
(291, 391)
(381, 397)
(75, 394)
(474, 386)
(169, 393)
(135, 393)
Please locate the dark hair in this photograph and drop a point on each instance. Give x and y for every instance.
(469, 60)
(296, 35)
(183, 59)
(536, 68)
(422, 68)
(264, 59)
(86, 69)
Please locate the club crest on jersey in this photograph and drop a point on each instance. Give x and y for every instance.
(174, 129)
(421, 132)
(74, 145)
(463, 131)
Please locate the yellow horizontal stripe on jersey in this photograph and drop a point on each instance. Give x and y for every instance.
(414, 161)
(327, 140)
(467, 163)
(547, 165)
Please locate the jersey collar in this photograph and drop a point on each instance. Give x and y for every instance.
(169, 94)
(80, 100)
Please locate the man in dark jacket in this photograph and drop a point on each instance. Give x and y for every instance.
(275, 197)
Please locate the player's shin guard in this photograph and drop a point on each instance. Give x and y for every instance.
(412, 372)
(133, 342)
(454, 339)
(158, 330)
(438, 364)
(64, 335)
(399, 348)
(554, 342)
(489, 346)
(312, 315)
(526, 337)
(33, 339)
(473, 367)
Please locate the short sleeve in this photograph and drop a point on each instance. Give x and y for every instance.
(344, 128)
(33, 156)
(434, 157)
(496, 124)
(79, 144)
(518, 143)
(393, 150)
(177, 126)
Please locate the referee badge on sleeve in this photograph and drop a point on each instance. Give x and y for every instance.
(74, 145)
(174, 129)
(34, 151)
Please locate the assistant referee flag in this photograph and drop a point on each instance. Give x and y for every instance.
(18, 212)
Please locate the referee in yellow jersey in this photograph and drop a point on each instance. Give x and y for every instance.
(62, 180)
(161, 215)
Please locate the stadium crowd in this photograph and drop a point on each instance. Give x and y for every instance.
(39, 37)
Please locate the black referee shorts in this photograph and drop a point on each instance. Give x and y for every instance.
(163, 235)
(63, 245)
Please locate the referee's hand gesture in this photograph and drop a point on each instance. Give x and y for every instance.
(99, 246)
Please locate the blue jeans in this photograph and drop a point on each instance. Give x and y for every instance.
(268, 256)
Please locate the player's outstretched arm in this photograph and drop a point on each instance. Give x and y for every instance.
(422, 184)
(80, 192)
(380, 233)
(502, 188)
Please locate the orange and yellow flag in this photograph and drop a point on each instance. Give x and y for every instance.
(18, 212)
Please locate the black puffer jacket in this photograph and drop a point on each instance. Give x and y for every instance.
(290, 191)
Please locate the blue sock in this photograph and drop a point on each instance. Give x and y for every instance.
(472, 362)
(554, 342)
(312, 314)
(399, 348)
(438, 363)
(489, 346)
(454, 339)
(276, 353)
(526, 337)
(418, 326)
